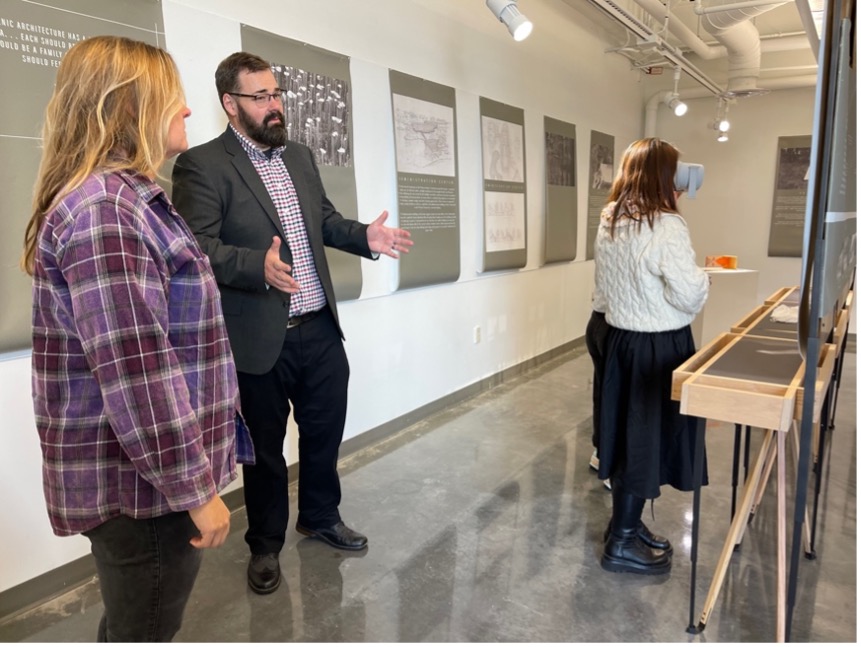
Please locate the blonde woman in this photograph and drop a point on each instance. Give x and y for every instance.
(647, 277)
(134, 386)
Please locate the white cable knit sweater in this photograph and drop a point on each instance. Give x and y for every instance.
(648, 278)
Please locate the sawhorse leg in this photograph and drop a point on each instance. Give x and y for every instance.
(699, 461)
(738, 523)
(736, 449)
(781, 537)
(774, 455)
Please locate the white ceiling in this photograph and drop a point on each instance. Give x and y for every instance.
(783, 69)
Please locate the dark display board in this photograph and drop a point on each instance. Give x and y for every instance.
(425, 128)
(602, 161)
(504, 177)
(319, 114)
(33, 39)
(759, 359)
(560, 170)
(786, 236)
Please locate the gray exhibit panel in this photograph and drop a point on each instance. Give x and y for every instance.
(33, 39)
(295, 65)
(504, 179)
(841, 217)
(425, 128)
(786, 234)
(602, 162)
(560, 170)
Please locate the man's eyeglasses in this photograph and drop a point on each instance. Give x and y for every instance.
(261, 100)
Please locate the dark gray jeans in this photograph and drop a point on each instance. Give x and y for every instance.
(146, 571)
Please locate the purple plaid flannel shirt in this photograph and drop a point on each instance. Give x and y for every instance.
(134, 386)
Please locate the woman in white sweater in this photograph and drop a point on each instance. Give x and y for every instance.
(647, 276)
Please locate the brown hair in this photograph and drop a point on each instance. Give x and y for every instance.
(644, 186)
(228, 71)
(111, 109)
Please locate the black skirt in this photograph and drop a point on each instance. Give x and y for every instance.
(596, 340)
(645, 442)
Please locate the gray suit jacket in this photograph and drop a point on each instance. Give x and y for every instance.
(222, 198)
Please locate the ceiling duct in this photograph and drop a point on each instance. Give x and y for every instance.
(659, 11)
(735, 31)
(738, 37)
(649, 38)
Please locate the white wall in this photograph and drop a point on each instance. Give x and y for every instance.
(410, 348)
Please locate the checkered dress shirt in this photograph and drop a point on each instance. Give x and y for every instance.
(134, 386)
(270, 167)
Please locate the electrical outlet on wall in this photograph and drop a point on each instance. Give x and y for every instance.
(476, 335)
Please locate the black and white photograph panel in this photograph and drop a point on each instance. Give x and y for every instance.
(318, 113)
(561, 159)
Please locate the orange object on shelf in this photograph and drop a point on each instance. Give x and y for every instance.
(726, 262)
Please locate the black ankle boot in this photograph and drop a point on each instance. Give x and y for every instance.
(624, 551)
(654, 541)
(647, 537)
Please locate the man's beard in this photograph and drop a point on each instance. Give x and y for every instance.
(265, 133)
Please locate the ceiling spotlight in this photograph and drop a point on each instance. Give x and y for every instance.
(721, 121)
(675, 104)
(678, 106)
(723, 115)
(519, 26)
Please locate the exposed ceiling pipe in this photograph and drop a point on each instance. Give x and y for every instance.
(658, 10)
(733, 28)
(785, 44)
(789, 82)
(801, 69)
(740, 39)
(673, 54)
(700, 10)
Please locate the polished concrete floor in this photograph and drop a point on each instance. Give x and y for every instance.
(485, 523)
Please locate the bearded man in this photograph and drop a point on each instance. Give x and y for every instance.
(257, 206)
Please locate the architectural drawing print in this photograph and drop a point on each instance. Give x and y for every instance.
(424, 136)
(502, 150)
(504, 221)
(318, 113)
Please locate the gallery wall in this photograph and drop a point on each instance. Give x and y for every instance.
(412, 347)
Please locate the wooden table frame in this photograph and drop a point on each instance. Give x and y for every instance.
(773, 407)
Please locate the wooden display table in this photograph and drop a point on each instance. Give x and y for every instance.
(752, 376)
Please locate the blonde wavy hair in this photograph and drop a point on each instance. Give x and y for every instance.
(111, 109)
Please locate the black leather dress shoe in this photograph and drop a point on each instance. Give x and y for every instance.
(264, 573)
(339, 536)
